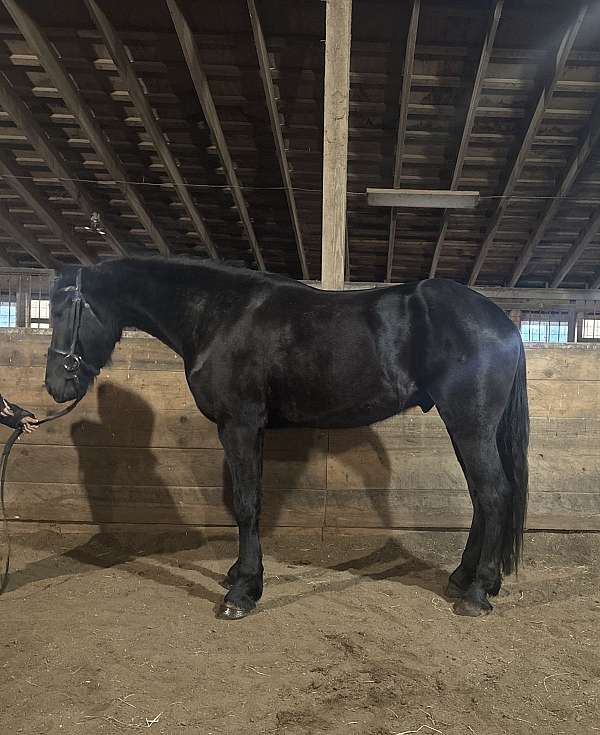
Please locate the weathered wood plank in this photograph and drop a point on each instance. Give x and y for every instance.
(406, 509)
(155, 504)
(167, 429)
(335, 141)
(29, 349)
(177, 467)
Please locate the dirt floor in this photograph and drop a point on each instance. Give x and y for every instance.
(116, 632)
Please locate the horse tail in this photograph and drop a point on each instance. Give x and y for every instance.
(512, 438)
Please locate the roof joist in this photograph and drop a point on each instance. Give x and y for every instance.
(545, 95)
(51, 62)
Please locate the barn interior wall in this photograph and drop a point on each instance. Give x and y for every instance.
(136, 450)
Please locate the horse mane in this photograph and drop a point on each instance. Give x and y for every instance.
(189, 269)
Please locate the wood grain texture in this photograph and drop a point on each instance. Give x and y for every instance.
(335, 141)
(136, 450)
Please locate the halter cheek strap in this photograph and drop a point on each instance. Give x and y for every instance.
(73, 362)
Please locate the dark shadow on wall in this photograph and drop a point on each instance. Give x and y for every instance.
(126, 419)
(112, 486)
(108, 476)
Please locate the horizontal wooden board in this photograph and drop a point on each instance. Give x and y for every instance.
(145, 428)
(451, 509)
(403, 469)
(139, 352)
(156, 467)
(414, 429)
(155, 504)
(564, 398)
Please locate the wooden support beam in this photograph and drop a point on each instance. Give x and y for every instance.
(6, 259)
(425, 198)
(409, 58)
(19, 235)
(484, 58)
(576, 164)
(576, 251)
(48, 56)
(596, 282)
(347, 254)
(338, 21)
(37, 138)
(140, 101)
(200, 80)
(267, 81)
(29, 192)
(558, 67)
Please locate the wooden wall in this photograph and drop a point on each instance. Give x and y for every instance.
(136, 450)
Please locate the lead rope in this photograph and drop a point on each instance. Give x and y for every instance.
(4, 464)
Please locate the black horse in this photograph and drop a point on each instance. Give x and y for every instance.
(263, 351)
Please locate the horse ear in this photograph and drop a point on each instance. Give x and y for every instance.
(63, 275)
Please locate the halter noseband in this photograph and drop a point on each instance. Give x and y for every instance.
(73, 362)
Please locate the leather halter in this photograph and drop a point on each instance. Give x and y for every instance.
(73, 362)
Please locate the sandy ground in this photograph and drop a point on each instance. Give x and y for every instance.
(116, 632)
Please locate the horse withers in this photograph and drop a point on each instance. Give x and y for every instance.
(263, 351)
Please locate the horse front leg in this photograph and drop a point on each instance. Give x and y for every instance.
(243, 446)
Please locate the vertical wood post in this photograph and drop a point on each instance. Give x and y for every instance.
(335, 141)
(23, 297)
(579, 317)
(515, 316)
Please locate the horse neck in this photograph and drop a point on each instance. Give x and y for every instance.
(148, 300)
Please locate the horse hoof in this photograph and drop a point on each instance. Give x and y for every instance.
(472, 609)
(231, 612)
(454, 592)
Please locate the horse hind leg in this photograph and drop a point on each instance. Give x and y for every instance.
(462, 577)
(478, 578)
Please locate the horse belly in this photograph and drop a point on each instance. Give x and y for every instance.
(345, 407)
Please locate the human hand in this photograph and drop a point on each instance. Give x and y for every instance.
(29, 424)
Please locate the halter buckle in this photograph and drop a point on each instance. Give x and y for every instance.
(72, 363)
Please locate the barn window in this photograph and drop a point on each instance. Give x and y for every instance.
(40, 313)
(8, 311)
(590, 328)
(544, 327)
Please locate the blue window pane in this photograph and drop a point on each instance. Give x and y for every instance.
(542, 329)
(8, 314)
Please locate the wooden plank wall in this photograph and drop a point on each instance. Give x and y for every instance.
(136, 450)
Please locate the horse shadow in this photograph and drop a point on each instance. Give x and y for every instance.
(125, 430)
(389, 560)
(123, 434)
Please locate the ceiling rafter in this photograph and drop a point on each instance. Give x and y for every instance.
(23, 118)
(200, 80)
(548, 89)
(409, 59)
(266, 75)
(51, 62)
(478, 85)
(579, 159)
(140, 102)
(18, 234)
(32, 196)
(576, 251)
